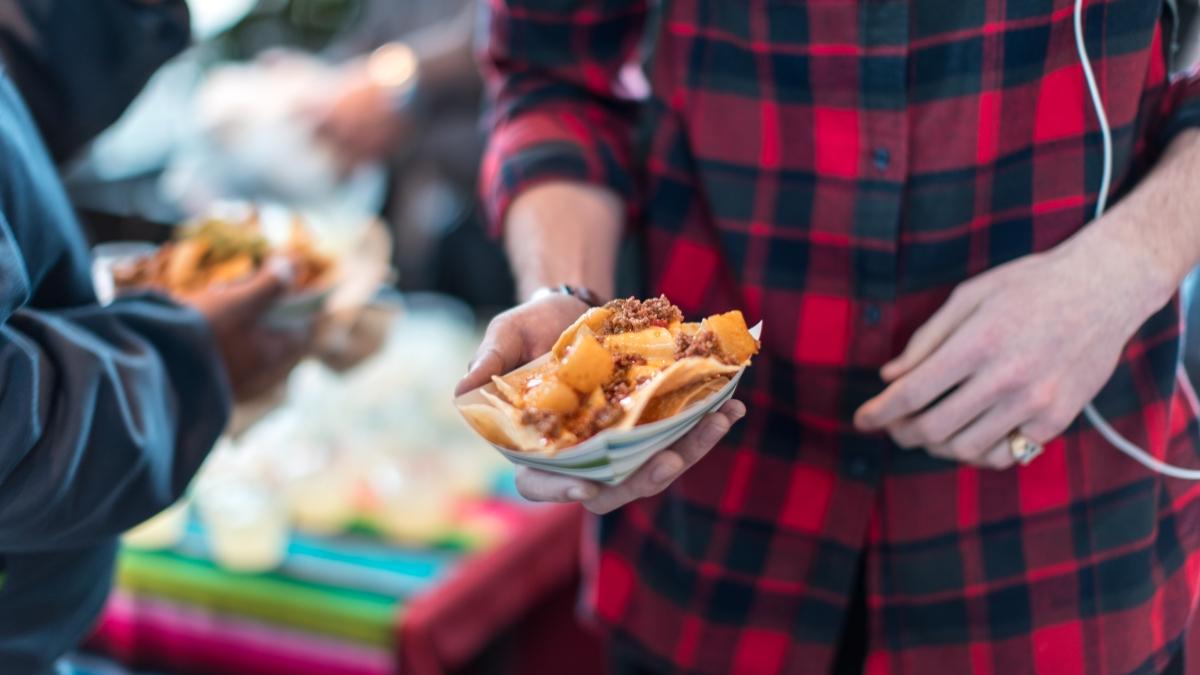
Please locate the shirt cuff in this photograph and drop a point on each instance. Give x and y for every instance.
(548, 146)
(1184, 107)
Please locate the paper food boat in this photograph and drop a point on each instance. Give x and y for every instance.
(613, 455)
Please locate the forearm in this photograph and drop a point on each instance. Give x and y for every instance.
(89, 450)
(564, 233)
(1156, 224)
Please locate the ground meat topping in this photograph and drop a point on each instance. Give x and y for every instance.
(631, 315)
(623, 362)
(619, 386)
(616, 390)
(701, 344)
(547, 423)
(606, 417)
(588, 425)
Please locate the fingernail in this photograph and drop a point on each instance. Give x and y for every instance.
(666, 470)
(479, 357)
(579, 494)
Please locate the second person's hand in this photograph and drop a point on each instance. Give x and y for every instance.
(257, 357)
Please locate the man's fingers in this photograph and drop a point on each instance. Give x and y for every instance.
(279, 352)
(653, 477)
(942, 421)
(666, 466)
(542, 486)
(697, 442)
(976, 442)
(649, 480)
(500, 352)
(932, 333)
(1000, 457)
(946, 368)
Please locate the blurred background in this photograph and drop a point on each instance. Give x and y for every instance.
(350, 522)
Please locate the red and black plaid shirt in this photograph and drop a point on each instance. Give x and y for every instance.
(835, 167)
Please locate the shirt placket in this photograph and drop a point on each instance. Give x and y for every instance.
(884, 165)
(884, 137)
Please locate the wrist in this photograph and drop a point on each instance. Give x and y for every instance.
(395, 69)
(581, 293)
(563, 232)
(1133, 269)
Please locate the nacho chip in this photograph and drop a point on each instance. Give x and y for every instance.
(592, 319)
(653, 344)
(678, 375)
(668, 405)
(733, 337)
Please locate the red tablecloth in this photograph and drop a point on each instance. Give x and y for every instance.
(500, 593)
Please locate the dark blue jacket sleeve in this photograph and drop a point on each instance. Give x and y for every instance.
(78, 63)
(105, 412)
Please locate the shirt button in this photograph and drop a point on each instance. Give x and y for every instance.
(872, 314)
(858, 466)
(882, 158)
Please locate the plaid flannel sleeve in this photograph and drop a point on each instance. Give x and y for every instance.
(1182, 104)
(558, 110)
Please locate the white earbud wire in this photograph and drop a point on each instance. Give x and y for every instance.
(1093, 416)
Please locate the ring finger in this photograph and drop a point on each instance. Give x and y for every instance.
(979, 442)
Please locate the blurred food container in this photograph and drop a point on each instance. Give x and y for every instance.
(161, 531)
(410, 503)
(377, 445)
(246, 525)
(320, 491)
(107, 256)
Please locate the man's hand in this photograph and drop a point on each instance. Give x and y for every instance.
(257, 358)
(361, 123)
(528, 331)
(1023, 347)
(654, 476)
(519, 336)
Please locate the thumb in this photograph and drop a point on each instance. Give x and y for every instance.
(500, 352)
(252, 297)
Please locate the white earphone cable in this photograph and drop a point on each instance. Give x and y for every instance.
(1093, 416)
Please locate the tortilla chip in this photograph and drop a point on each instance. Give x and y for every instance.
(662, 407)
(676, 376)
(733, 338)
(592, 319)
(509, 391)
(507, 425)
(492, 424)
(656, 345)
